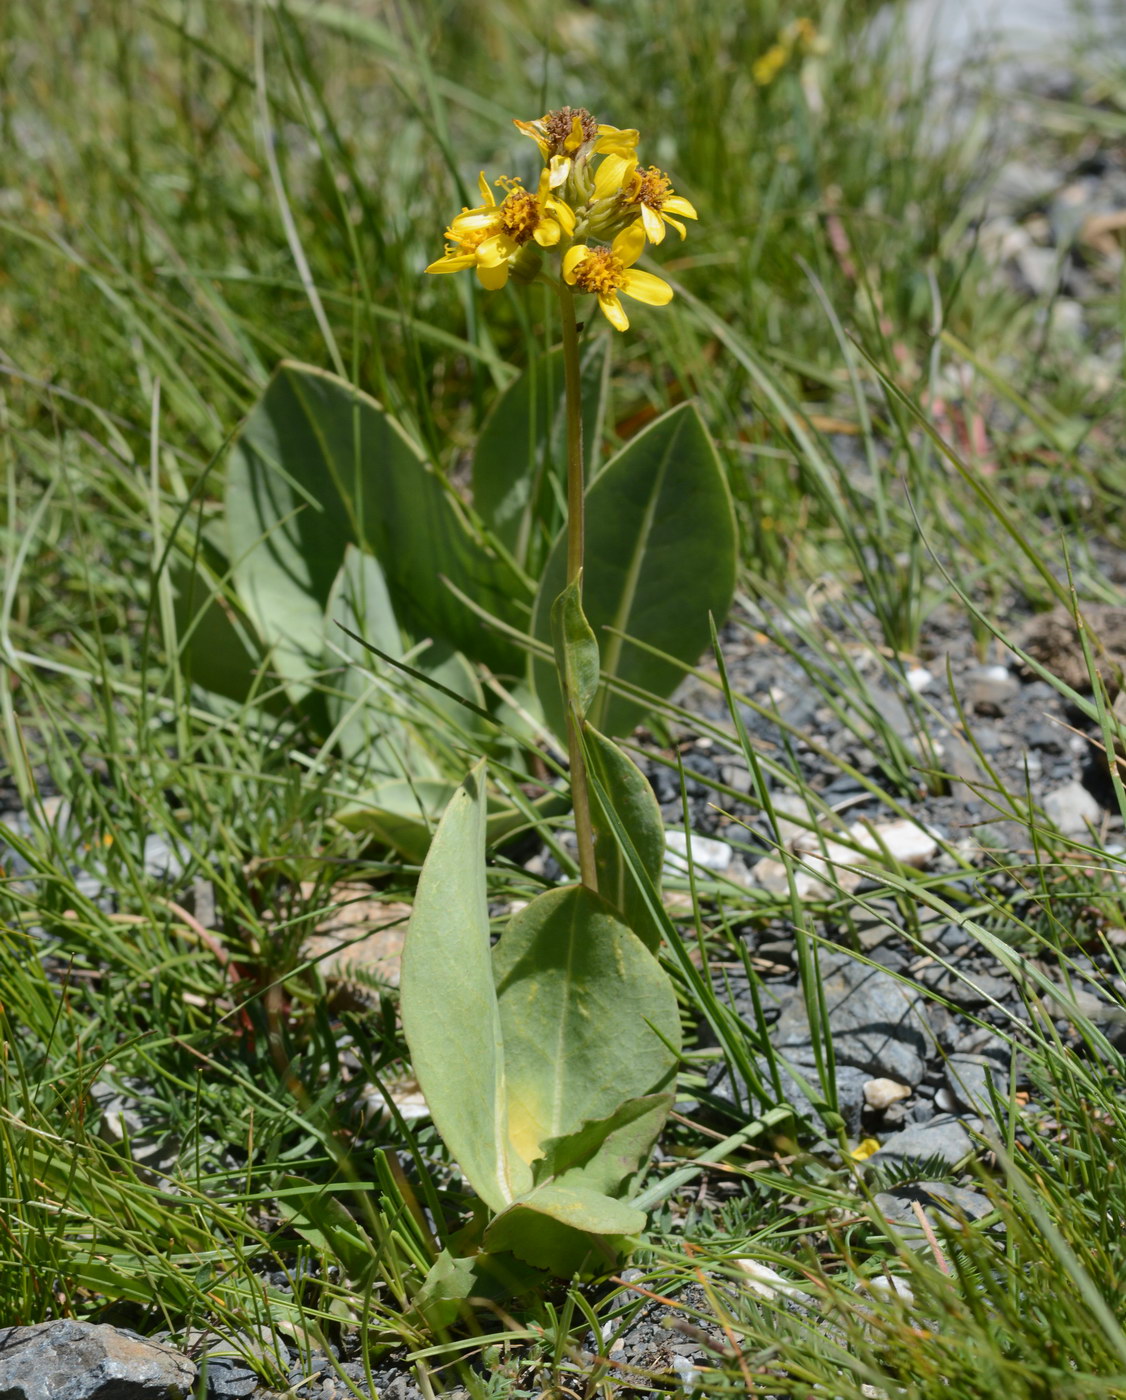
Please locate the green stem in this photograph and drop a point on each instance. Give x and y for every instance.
(575, 483)
(580, 797)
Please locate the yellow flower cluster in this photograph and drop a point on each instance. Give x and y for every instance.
(618, 204)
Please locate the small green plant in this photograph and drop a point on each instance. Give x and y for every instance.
(547, 1061)
(334, 518)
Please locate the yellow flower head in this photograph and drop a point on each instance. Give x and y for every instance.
(647, 194)
(570, 135)
(607, 271)
(490, 235)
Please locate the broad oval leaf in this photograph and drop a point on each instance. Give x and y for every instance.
(403, 813)
(588, 1015)
(319, 465)
(661, 553)
(568, 1229)
(216, 643)
(603, 1155)
(449, 1003)
(453, 1280)
(360, 601)
(313, 1212)
(396, 722)
(520, 465)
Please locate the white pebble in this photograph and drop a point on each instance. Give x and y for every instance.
(764, 1280)
(903, 840)
(707, 853)
(882, 1093)
(892, 1284)
(689, 1376)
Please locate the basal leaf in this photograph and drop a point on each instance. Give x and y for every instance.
(453, 1281)
(360, 601)
(660, 555)
(449, 1003)
(603, 1155)
(587, 1014)
(520, 465)
(320, 1219)
(397, 723)
(219, 649)
(567, 1229)
(403, 814)
(319, 465)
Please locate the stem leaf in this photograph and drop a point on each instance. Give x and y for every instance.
(616, 783)
(576, 649)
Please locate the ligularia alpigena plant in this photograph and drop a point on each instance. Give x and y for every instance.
(548, 1061)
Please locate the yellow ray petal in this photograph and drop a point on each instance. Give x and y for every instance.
(677, 204)
(653, 224)
(547, 233)
(611, 175)
(559, 209)
(571, 259)
(643, 286)
(470, 219)
(495, 250)
(452, 264)
(614, 312)
(630, 243)
(492, 277)
(616, 141)
(529, 129)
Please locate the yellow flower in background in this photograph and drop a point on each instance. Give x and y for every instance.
(571, 135)
(490, 235)
(606, 272)
(803, 35)
(648, 193)
(767, 67)
(798, 38)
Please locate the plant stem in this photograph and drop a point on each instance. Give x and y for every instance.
(580, 797)
(575, 483)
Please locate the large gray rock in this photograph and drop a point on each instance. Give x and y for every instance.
(68, 1360)
(941, 1203)
(945, 1138)
(877, 1023)
(878, 1029)
(968, 1079)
